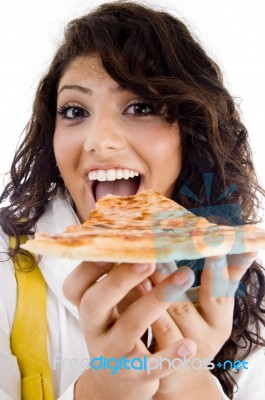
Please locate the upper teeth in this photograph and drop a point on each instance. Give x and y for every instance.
(111, 174)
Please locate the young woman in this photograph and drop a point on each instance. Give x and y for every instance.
(129, 90)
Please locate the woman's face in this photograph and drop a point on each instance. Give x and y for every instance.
(109, 140)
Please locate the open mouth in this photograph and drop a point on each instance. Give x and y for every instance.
(120, 182)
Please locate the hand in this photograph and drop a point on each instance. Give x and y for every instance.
(111, 334)
(208, 322)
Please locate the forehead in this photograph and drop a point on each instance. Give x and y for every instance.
(84, 68)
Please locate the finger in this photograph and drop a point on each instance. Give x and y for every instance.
(215, 279)
(163, 270)
(225, 273)
(97, 303)
(81, 278)
(141, 314)
(165, 331)
(184, 315)
(216, 294)
(192, 294)
(130, 298)
(238, 264)
(164, 362)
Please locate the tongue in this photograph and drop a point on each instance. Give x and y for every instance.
(121, 187)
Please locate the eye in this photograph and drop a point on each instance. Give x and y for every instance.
(72, 112)
(140, 109)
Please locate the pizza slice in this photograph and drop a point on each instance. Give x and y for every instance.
(146, 227)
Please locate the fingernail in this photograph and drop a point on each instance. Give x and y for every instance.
(147, 285)
(180, 277)
(140, 268)
(184, 351)
(181, 281)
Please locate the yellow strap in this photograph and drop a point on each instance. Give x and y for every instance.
(29, 334)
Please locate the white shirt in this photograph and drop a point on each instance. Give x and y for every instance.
(67, 348)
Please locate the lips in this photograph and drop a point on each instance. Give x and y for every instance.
(116, 181)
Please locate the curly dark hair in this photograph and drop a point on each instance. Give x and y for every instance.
(153, 54)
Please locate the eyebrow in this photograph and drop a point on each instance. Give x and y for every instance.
(86, 90)
(81, 89)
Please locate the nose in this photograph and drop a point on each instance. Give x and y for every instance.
(104, 135)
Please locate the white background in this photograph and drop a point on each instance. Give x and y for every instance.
(232, 30)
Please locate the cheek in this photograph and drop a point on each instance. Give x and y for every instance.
(65, 158)
(176, 152)
(164, 149)
(65, 151)
(58, 146)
